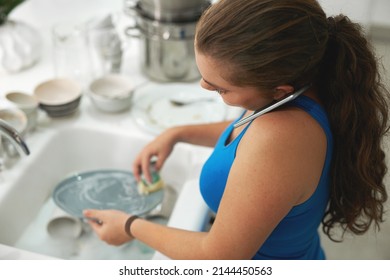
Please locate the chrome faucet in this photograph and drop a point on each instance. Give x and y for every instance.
(14, 137)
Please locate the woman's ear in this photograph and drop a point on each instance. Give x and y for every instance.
(281, 92)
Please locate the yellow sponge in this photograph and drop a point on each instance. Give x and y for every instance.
(146, 188)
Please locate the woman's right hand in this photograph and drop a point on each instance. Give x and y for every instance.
(161, 148)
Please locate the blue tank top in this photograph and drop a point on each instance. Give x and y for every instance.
(296, 236)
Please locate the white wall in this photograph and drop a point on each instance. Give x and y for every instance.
(364, 11)
(357, 10)
(367, 12)
(381, 12)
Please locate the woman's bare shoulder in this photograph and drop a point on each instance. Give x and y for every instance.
(292, 144)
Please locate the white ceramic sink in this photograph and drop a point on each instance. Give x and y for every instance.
(76, 149)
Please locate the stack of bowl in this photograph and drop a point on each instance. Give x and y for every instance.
(58, 97)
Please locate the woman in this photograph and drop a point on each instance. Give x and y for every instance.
(272, 181)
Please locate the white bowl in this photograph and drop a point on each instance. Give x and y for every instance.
(111, 93)
(22, 100)
(15, 118)
(27, 103)
(57, 92)
(64, 226)
(58, 97)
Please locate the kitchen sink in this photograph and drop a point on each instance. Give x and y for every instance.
(27, 205)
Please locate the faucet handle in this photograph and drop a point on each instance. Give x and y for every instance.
(11, 134)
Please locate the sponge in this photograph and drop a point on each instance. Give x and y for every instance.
(146, 188)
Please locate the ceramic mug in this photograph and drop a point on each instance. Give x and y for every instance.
(63, 226)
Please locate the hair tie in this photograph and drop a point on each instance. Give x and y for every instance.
(332, 25)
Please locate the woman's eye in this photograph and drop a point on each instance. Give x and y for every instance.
(220, 91)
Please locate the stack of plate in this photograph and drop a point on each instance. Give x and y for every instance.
(58, 97)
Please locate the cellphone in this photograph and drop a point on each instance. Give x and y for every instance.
(271, 107)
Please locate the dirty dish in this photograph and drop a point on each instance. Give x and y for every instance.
(103, 189)
(15, 118)
(62, 225)
(156, 108)
(111, 93)
(58, 97)
(28, 104)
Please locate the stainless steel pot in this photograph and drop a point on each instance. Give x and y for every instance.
(167, 49)
(168, 10)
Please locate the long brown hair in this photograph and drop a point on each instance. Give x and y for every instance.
(275, 42)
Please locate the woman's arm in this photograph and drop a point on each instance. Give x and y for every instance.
(203, 135)
(162, 146)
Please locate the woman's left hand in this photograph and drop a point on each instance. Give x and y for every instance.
(109, 225)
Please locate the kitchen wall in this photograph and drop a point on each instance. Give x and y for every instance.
(359, 10)
(373, 14)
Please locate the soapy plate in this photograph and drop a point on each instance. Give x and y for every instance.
(103, 189)
(154, 111)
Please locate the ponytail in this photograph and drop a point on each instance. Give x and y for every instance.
(272, 43)
(357, 104)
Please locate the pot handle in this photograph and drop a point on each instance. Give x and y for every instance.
(129, 7)
(133, 32)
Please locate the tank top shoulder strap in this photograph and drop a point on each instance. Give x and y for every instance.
(315, 110)
(305, 103)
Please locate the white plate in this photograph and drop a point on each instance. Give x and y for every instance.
(154, 112)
